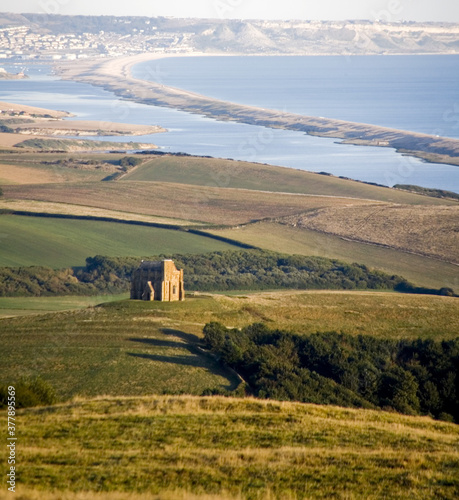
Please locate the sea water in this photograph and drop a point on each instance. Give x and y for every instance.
(198, 135)
(414, 93)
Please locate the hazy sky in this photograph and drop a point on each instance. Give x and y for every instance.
(388, 10)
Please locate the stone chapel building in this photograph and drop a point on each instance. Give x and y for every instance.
(159, 280)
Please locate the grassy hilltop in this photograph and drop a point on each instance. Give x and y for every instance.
(231, 449)
(96, 446)
(90, 352)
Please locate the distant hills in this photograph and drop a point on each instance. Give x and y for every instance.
(252, 36)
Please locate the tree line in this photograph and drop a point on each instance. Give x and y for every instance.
(415, 377)
(217, 271)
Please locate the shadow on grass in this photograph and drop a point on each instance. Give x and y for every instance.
(197, 357)
(186, 337)
(165, 343)
(184, 340)
(177, 360)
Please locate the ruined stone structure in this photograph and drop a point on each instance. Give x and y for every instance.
(157, 281)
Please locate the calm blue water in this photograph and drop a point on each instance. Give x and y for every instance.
(416, 93)
(203, 136)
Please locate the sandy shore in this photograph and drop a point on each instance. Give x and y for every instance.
(85, 128)
(8, 109)
(44, 123)
(115, 75)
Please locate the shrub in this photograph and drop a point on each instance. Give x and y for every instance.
(29, 392)
(6, 130)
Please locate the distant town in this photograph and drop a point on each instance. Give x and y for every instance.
(54, 37)
(21, 42)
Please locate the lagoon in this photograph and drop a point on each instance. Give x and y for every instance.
(195, 134)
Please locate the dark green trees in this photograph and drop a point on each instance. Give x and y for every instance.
(412, 377)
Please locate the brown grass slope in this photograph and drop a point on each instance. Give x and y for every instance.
(430, 231)
(206, 204)
(46, 168)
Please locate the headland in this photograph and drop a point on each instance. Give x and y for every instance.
(17, 121)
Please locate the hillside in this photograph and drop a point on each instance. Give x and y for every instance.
(219, 206)
(423, 230)
(88, 352)
(183, 447)
(138, 411)
(296, 240)
(380, 314)
(57, 242)
(223, 173)
(265, 206)
(247, 36)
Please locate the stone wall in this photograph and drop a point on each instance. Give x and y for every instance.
(158, 281)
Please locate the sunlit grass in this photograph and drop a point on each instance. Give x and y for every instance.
(240, 448)
(58, 243)
(139, 348)
(20, 306)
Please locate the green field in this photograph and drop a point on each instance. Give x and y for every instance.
(138, 348)
(187, 448)
(422, 271)
(23, 306)
(56, 243)
(221, 192)
(217, 172)
(134, 351)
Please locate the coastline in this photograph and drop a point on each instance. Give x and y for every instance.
(22, 123)
(115, 75)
